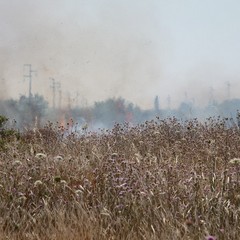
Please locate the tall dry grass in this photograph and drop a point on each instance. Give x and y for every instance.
(163, 179)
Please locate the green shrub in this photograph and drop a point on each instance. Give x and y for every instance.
(6, 135)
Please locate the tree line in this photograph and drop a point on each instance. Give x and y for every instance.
(34, 111)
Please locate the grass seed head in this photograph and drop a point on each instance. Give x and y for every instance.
(40, 155)
(38, 183)
(235, 161)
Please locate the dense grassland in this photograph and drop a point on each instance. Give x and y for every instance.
(163, 179)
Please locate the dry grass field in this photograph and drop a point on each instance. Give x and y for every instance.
(163, 179)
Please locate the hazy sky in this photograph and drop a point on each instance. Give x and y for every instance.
(136, 49)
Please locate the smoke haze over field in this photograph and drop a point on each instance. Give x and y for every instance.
(135, 49)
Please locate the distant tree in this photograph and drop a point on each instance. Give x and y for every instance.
(228, 108)
(185, 110)
(26, 112)
(113, 111)
(32, 110)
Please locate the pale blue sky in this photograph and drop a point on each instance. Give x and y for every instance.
(131, 48)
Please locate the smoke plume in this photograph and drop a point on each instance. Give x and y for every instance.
(110, 48)
(97, 48)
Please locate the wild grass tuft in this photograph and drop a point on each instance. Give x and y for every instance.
(163, 179)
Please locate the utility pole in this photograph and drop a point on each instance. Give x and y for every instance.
(77, 99)
(69, 100)
(186, 97)
(60, 96)
(28, 67)
(228, 89)
(211, 93)
(156, 105)
(55, 85)
(3, 87)
(169, 102)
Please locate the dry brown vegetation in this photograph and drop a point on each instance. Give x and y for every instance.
(163, 179)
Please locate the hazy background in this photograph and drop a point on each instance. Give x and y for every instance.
(136, 49)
